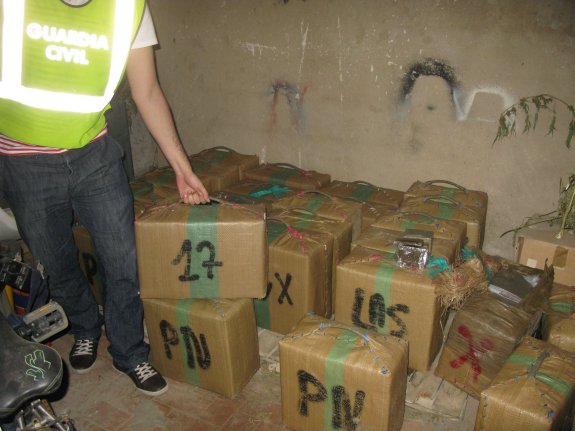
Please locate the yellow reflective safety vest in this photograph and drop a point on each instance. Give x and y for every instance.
(60, 66)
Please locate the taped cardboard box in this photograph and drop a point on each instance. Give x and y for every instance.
(484, 332)
(538, 245)
(448, 189)
(447, 208)
(299, 277)
(450, 230)
(156, 196)
(336, 377)
(259, 192)
(221, 155)
(373, 293)
(326, 206)
(307, 221)
(208, 343)
(365, 192)
(559, 321)
(385, 240)
(216, 176)
(202, 251)
(89, 263)
(284, 174)
(164, 176)
(533, 391)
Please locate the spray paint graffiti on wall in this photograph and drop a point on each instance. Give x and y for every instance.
(462, 99)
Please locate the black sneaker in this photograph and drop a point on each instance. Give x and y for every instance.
(83, 355)
(146, 379)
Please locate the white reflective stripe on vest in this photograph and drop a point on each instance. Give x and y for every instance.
(11, 85)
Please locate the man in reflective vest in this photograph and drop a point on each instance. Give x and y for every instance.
(60, 64)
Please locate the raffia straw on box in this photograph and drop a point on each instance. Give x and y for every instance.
(454, 287)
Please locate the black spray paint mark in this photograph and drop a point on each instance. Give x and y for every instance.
(377, 313)
(186, 250)
(341, 401)
(428, 67)
(202, 351)
(191, 342)
(304, 379)
(284, 286)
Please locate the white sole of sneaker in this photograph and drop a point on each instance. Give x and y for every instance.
(152, 394)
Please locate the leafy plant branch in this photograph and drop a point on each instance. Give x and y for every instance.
(530, 108)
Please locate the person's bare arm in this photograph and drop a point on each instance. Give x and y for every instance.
(155, 112)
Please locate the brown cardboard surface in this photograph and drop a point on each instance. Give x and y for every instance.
(215, 176)
(365, 192)
(264, 193)
(306, 221)
(451, 230)
(207, 251)
(533, 391)
(226, 156)
(559, 322)
(447, 188)
(326, 206)
(373, 293)
(288, 175)
(88, 262)
(336, 377)
(164, 176)
(299, 279)
(539, 244)
(447, 208)
(483, 334)
(208, 343)
(384, 240)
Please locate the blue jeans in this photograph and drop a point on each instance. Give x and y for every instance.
(45, 193)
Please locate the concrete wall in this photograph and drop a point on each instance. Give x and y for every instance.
(377, 90)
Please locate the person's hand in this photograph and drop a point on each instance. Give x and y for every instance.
(191, 189)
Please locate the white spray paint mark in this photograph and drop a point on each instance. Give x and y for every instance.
(253, 47)
(463, 101)
(303, 46)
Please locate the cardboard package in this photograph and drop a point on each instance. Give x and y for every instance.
(539, 244)
(385, 240)
(371, 212)
(373, 293)
(164, 176)
(365, 192)
(299, 277)
(533, 391)
(336, 377)
(215, 176)
(449, 189)
(484, 332)
(202, 251)
(451, 230)
(307, 221)
(226, 156)
(284, 174)
(88, 262)
(157, 195)
(446, 208)
(326, 206)
(208, 343)
(258, 192)
(559, 321)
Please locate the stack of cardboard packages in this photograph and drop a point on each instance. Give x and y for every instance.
(322, 263)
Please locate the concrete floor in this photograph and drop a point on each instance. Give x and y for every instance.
(103, 400)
